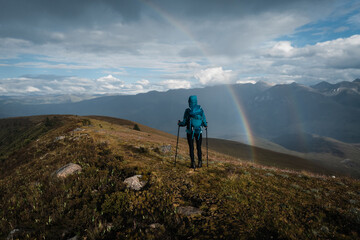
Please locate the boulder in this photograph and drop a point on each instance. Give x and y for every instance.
(67, 170)
(189, 211)
(135, 183)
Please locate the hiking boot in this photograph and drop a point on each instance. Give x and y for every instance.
(200, 164)
(192, 165)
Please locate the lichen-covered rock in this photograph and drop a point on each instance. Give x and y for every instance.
(67, 170)
(189, 211)
(165, 148)
(135, 183)
(13, 234)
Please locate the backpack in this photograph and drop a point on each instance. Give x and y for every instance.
(196, 120)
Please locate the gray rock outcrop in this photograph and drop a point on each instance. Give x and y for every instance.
(135, 183)
(67, 170)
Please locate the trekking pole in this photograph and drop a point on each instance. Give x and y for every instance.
(207, 149)
(177, 142)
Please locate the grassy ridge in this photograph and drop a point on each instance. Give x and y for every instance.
(238, 200)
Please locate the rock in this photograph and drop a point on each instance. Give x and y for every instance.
(73, 238)
(156, 230)
(324, 229)
(67, 170)
(156, 225)
(189, 211)
(13, 234)
(59, 138)
(78, 130)
(340, 183)
(269, 174)
(134, 182)
(165, 148)
(353, 201)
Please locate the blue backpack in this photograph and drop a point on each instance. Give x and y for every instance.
(196, 120)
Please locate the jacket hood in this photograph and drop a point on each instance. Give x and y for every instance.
(192, 101)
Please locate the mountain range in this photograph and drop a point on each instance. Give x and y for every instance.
(270, 112)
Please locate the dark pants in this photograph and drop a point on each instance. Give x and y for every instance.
(198, 140)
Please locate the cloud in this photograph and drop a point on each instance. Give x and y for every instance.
(31, 89)
(282, 49)
(175, 84)
(174, 44)
(341, 29)
(109, 78)
(213, 76)
(143, 82)
(355, 19)
(3, 90)
(330, 61)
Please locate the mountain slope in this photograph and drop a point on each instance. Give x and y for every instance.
(269, 111)
(230, 199)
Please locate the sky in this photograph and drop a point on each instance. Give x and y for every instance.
(135, 46)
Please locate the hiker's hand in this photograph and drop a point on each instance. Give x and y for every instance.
(179, 122)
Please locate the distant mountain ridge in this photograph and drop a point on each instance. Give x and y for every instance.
(324, 109)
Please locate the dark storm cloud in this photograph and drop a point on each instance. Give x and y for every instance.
(235, 8)
(186, 41)
(93, 12)
(33, 20)
(35, 11)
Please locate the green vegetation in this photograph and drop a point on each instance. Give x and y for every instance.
(16, 133)
(136, 127)
(238, 200)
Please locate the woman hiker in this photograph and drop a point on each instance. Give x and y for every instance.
(194, 120)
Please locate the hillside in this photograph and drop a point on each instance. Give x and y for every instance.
(230, 199)
(317, 163)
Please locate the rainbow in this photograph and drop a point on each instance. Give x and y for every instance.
(177, 24)
(240, 109)
(245, 123)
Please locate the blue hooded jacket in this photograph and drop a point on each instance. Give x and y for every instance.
(193, 107)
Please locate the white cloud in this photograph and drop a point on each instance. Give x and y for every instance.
(143, 82)
(3, 90)
(335, 60)
(175, 84)
(281, 49)
(31, 89)
(245, 81)
(213, 76)
(109, 78)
